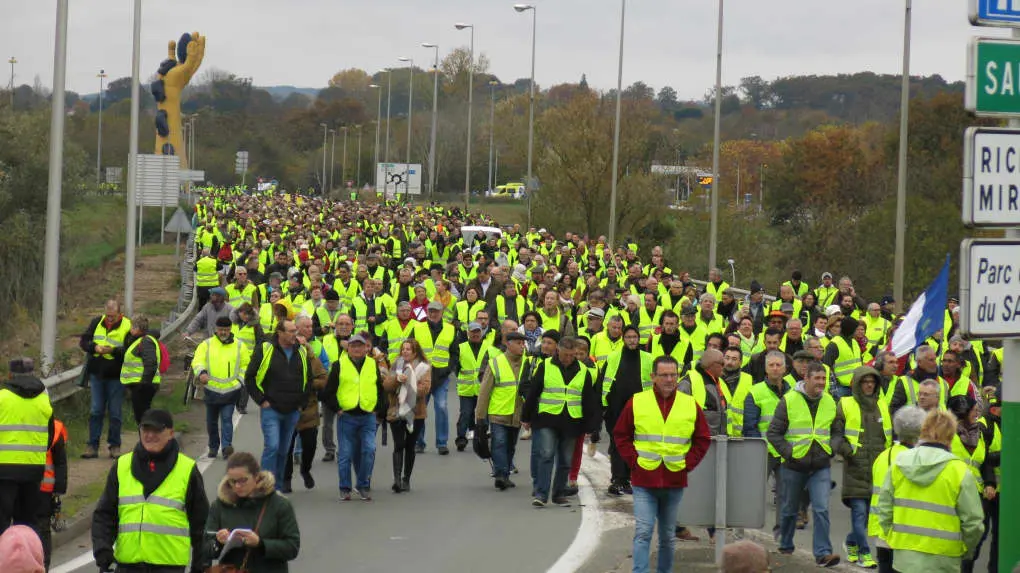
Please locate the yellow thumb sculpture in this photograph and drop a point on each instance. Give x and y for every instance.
(185, 57)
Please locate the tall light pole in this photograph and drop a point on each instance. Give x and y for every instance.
(99, 146)
(389, 99)
(492, 126)
(325, 132)
(343, 160)
(713, 228)
(12, 61)
(51, 265)
(357, 180)
(410, 101)
(616, 131)
(901, 179)
(471, 99)
(531, 99)
(378, 125)
(192, 151)
(435, 116)
(332, 158)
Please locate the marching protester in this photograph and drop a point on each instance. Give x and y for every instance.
(407, 386)
(103, 342)
(499, 406)
(219, 365)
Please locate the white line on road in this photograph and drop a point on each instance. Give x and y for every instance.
(588, 534)
(86, 558)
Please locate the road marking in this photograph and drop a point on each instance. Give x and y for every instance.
(590, 530)
(203, 463)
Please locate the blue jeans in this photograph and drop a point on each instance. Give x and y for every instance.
(442, 416)
(858, 535)
(107, 396)
(819, 486)
(650, 504)
(355, 434)
(277, 432)
(554, 451)
(466, 416)
(504, 446)
(219, 421)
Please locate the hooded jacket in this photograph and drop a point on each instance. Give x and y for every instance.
(816, 458)
(280, 538)
(857, 469)
(922, 466)
(627, 383)
(27, 387)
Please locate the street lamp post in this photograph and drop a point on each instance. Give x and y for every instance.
(357, 179)
(410, 107)
(325, 133)
(713, 231)
(332, 157)
(192, 152)
(12, 61)
(531, 99)
(435, 116)
(378, 125)
(99, 145)
(343, 161)
(132, 186)
(901, 178)
(471, 92)
(389, 93)
(492, 126)
(616, 131)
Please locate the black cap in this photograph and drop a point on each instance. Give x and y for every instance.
(756, 287)
(223, 322)
(688, 310)
(332, 295)
(23, 365)
(514, 336)
(157, 419)
(887, 299)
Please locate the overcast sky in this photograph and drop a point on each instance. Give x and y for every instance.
(668, 42)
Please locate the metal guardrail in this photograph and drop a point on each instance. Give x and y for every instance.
(61, 386)
(740, 291)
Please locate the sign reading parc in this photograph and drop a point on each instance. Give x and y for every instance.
(991, 177)
(990, 288)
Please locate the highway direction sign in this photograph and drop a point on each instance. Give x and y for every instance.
(991, 177)
(995, 12)
(993, 77)
(990, 288)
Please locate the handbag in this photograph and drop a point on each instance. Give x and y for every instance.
(82, 381)
(228, 568)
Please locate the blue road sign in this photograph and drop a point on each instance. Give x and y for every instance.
(995, 13)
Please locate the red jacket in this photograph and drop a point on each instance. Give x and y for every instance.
(661, 477)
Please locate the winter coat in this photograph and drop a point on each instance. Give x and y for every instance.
(27, 387)
(922, 466)
(392, 388)
(280, 538)
(857, 469)
(310, 413)
(816, 458)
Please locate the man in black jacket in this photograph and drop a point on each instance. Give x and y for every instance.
(149, 467)
(279, 379)
(103, 342)
(619, 386)
(557, 418)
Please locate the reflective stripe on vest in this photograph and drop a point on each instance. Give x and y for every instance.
(973, 459)
(613, 365)
(358, 388)
(112, 338)
(440, 355)
(878, 471)
(153, 530)
(224, 375)
(503, 399)
(849, 359)
(735, 404)
(268, 350)
(659, 440)
(206, 274)
(24, 428)
(468, 379)
(556, 393)
(49, 480)
(855, 426)
(132, 369)
(924, 517)
(803, 429)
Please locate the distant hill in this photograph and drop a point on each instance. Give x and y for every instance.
(280, 93)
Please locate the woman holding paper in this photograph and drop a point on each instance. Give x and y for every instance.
(407, 387)
(255, 527)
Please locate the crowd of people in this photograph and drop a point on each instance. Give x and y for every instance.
(353, 316)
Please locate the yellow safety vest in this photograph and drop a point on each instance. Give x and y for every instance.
(112, 338)
(767, 401)
(602, 346)
(470, 368)
(357, 389)
(698, 391)
(648, 323)
(849, 359)
(876, 329)
(802, 429)
(132, 370)
(153, 530)
(973, 460)
(206, 273)
(551, 322)
(236, 297)
(556, 394)
(854, 426)
(995, 448)
(267, 319)
(924, 517)
(24, 428)
(519, 303)
(613, 365)
(224, 363)
(466, 312)
(878, 470)
(735, 404)
(246, 335)
(439, 357)
(503, 399)
(659, 440)
(267, 358)
(395, 337)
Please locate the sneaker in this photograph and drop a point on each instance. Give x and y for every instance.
(115, 452)
(90, 453)
(211, 453)
(309, 480)
(461, 444)
(537, 502)
(470, 435)
(228, 451)
(827, 561)
(285, 488)
(329, 457)
(365, 494)
(615, 489)
(500, 484)
(867, 561)
(627, 489)
(444, 451)
(569, 491)
(419, 449)
(851, 553)
(776, 533)
(514, 470)
(345, 495)
(561, 501)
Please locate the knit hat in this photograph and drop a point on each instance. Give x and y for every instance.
(21, 551)
(744, 557)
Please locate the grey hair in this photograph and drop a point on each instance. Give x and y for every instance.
(615, 318)
(777, 355)
(706, 296)
(792, 320)
(303, 316)
(907, 424)
(930, 382)
(880, 358)
(923, 350)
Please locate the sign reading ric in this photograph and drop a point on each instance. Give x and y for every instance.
(993, 77)
(991, 177)
(990, 288)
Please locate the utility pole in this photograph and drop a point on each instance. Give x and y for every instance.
(99, 145)
(12, 61)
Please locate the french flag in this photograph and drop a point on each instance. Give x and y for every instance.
(925, 317)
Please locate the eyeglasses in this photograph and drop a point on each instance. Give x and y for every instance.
(238, 481)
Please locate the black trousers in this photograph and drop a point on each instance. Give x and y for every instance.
(308, 437)
(991, 525)
(403, 447)
(884, 557)
(203, 296)
(618, 467)
(18, 503)
(141, 398)
(42, 525)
